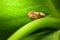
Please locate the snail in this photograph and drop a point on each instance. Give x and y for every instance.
(35, 15)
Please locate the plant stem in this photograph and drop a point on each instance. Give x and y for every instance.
(35, 25)
(52, 8)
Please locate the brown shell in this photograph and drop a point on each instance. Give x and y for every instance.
(35, 15)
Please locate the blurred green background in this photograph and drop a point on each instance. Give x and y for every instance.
(13, 14)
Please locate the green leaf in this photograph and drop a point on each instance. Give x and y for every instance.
(47, 35)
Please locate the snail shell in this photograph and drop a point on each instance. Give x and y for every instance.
(35, 15)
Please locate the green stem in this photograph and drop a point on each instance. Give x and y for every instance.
(52, 8)
(35, 25)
